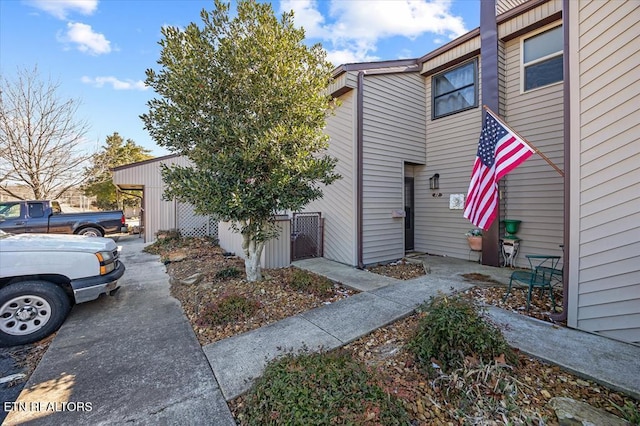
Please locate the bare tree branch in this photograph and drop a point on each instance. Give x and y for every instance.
(40, 137)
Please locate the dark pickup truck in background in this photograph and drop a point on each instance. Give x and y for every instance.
(46, 217)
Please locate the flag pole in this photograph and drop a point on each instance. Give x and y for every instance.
(536, 150)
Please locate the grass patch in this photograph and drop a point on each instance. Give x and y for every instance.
(307, 282)
(453, 330)
(319, 388)
(229, 308)
(630, 412)
(229, 272)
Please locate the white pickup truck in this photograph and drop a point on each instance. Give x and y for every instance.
(42, 275)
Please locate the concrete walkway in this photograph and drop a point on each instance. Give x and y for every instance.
(611, 363)
(131, 358)
(238, 360)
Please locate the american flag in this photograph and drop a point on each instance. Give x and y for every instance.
(500, 150)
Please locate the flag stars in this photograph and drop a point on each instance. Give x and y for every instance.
(492, 132)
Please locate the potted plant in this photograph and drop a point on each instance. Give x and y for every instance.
(474, 238)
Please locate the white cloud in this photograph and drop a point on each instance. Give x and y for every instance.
(61, 8)
(306, 15)
(115, 83)
(352, 29)
(85, 39)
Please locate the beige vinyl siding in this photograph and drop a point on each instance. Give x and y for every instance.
(608, 146)
(343, 82)
(158, 214)
(338, 205)
(530, 18)
(450, 55)
(534, 192)
(451, 144)
(394, 133)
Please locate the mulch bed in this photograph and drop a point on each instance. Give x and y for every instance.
(276, 298)
(402, 269)
(384, 349)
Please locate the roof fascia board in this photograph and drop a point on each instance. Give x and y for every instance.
(140, 163)
(366, 66)
(516, 11)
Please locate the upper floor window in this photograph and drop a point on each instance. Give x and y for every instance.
(542, 58)
(455, 90)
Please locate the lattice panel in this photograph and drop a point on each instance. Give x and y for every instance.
(306, 236)
(193, 225)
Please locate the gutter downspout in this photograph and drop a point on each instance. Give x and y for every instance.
(566, 89)
(359, 167)
(490, 98)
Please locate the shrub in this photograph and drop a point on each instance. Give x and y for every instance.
(229, 272)
(319, 388)
(227, 309)
(306, 281)
(453, 329)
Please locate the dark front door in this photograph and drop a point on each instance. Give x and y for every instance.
(409, 214)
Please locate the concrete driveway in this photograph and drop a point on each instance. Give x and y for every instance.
(132, 357)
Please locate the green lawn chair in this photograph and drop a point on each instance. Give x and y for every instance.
(543, 269)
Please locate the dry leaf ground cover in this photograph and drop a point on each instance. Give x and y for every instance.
(210, 283)
(197, 281)
(425, 398)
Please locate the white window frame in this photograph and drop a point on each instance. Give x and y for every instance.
(524, 66)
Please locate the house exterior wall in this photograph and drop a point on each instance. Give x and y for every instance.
(393, 134)
(605, 169)
(338, 205)
(451, 145)
(534, 191)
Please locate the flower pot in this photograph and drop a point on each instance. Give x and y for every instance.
(475, 243)
(511, 226)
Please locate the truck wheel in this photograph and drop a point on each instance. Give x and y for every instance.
(30, 311)
(90, 232)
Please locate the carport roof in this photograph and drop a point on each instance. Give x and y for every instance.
(139, 163)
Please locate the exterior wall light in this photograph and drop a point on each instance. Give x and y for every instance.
(434, 181)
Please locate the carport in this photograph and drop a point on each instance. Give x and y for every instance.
(144, 179)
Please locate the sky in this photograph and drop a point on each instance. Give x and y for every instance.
(98, 51)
